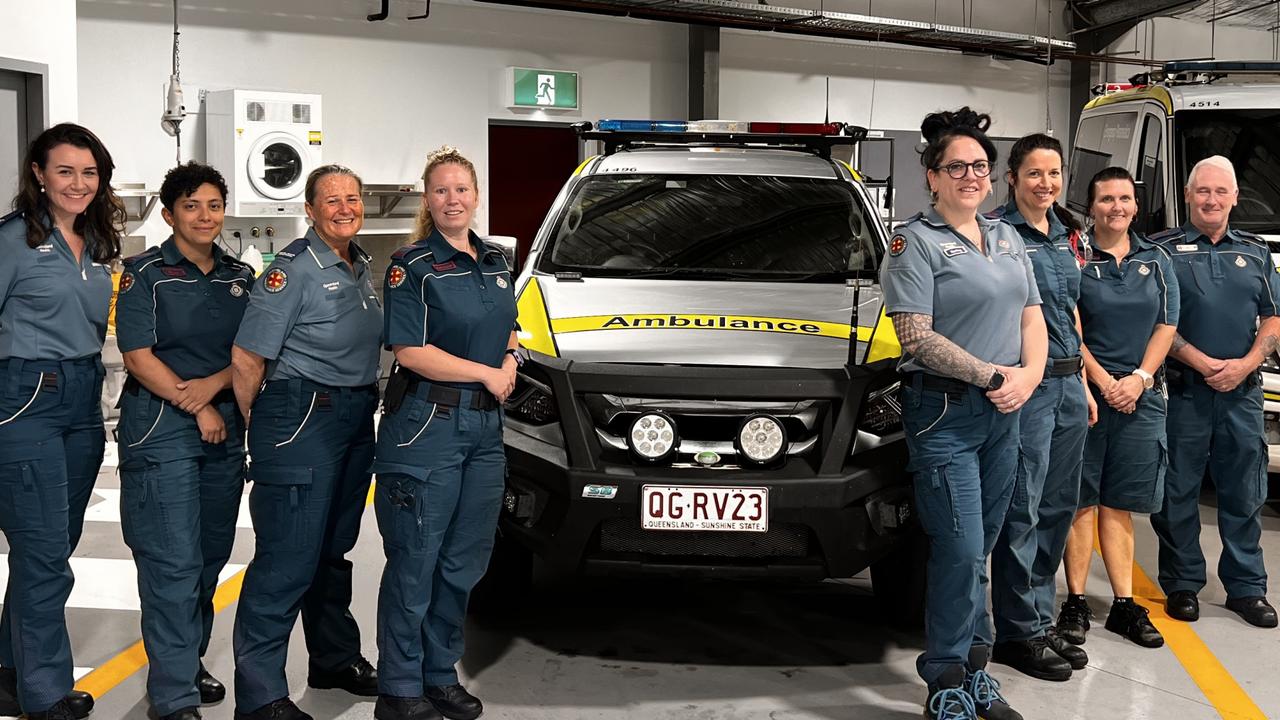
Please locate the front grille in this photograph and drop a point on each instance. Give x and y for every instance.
(787, 540)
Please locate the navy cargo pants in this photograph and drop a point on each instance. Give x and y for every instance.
(311, 447)
(179, 498)
(51, 445)
(441, 472)
(964, 457)
(1222, 432)
(1024, 563)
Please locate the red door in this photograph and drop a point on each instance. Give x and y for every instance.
(528, 164)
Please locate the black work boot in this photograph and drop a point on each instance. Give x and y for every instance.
(988, 703)
(80, 702)
(948, 699)
(390, 707)
(211, 690)
(358, 678)
(61, 710)
(1032, 657)
(453, 701)
(282, 709)
(1073, 654)
(1073, 619)
(1182, 605)
(1130, 619)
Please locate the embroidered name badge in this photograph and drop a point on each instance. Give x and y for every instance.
(951, 249)
(442, 267)
(275, 280)
(1240, 262)
(395, 278)
(173, 271)
(126, 282)
(1184, 248)
(897, 245)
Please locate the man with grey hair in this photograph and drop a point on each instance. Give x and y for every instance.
(1227, 283)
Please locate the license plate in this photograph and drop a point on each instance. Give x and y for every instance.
(678, 507)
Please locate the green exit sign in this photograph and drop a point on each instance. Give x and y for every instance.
(551, 89)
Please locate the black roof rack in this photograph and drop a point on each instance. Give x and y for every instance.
(615, 140)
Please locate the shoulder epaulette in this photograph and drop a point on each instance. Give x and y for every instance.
(908, 221)
(293, 249)
(406, 250)
(997, 214)
(1167, 235)
(143, 256)
(236, 262)
(11, 216)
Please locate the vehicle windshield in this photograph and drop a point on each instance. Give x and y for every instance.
(1250, 139)
(728, 227)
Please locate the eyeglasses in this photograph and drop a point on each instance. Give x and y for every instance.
(957, 169)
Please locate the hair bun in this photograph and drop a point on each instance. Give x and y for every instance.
(937, 124)
(445, 152)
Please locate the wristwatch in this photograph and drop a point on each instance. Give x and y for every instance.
(1148, 380)
(996, 381)
(515, 353)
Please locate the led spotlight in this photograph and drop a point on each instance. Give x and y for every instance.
(761, 439)
(653, 437)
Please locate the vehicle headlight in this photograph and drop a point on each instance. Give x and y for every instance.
(532, 402)
(653, 437)
(761, 439)
(882, 413)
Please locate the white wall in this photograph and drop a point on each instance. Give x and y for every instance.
(44, 31)
(1171, 39)
(395, 89)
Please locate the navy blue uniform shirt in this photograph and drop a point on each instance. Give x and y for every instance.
(53, 305)
(1224, 288)
(1057, 277)
(437, 295)
(976, 297)
(314, 317)
(187, 318)
(1121, 305)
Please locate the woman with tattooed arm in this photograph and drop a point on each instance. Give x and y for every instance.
(962, 296)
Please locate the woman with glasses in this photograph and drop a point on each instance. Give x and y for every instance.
(963, 299)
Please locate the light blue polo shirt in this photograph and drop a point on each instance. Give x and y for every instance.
(976, 298)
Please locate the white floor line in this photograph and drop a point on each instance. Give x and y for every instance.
(107, 584)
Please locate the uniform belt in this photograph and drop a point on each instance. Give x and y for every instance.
(133, 387)
(315, 387)
(1181, 377)
(937, 383)
(1060, 367)
(449, 396)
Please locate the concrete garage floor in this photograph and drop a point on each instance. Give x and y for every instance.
(705, 651)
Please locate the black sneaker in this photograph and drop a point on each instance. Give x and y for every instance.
(1073, 619)
(453, 701)
(988, 703)
(1032, 657)
(1073, 654)
(1130, 619)
(282, 709)
(390, 707)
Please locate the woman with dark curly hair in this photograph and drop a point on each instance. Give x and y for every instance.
(55, 289)
(962, 296)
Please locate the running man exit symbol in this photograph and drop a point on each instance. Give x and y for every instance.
(546, 90)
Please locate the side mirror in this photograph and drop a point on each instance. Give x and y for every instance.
(507, 244)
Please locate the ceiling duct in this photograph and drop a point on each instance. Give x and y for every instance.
(1253, 14)
(819, 23)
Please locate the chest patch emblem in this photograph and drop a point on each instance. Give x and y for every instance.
(444, 266)
(1004, 244)
(396, 276)
(502, 282)
(1144, 270)
(173, 271)
(275, 280)
(951, 249)
(236, 290)
(1240, 261)
(1185, 248)
(897, 245)
(126, 282)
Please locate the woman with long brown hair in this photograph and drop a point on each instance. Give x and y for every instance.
(55, 290)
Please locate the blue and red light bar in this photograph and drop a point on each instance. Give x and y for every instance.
(720, 126)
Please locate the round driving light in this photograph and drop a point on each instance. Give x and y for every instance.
(761, 439)
(653, 437)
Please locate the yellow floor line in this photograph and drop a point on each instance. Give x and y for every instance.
(111, 673)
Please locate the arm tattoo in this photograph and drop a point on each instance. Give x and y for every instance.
(1178, 343)
(915, 333)
(1267, 343)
